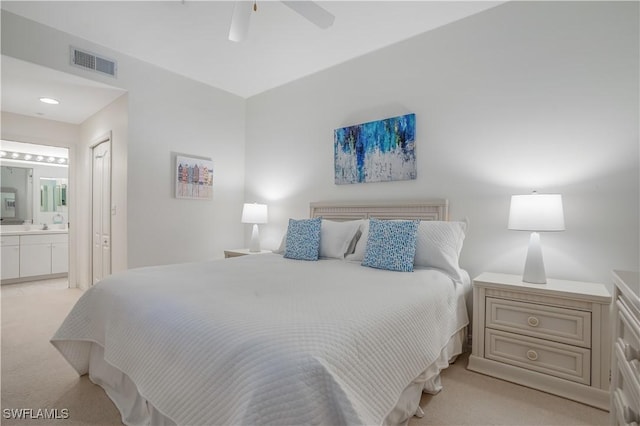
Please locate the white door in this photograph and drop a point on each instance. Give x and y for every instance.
(101, 211)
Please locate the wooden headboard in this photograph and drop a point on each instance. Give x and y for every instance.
(351, 210)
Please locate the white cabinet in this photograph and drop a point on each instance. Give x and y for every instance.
(43, 254)
(553, 337)
(35, 258)
(59, 258)
(625, 385)
(10, 254)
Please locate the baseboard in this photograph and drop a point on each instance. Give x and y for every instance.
(33, 278)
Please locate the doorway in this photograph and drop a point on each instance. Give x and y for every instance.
(101, 210)
(35, 212)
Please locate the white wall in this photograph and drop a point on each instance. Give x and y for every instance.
(167, 114)
(528, 95)
(20, 128)
(171, 115)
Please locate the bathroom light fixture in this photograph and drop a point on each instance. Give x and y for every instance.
(49, 101)
(254, 213)
(537, 213)
(33, 158)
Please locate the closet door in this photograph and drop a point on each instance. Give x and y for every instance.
(101, 211)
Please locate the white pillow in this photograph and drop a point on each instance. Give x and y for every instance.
(336, 237)
(283, 245)
(331, 240)
(439, 245)
(361, 245)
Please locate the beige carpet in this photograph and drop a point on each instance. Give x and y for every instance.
(35, 376)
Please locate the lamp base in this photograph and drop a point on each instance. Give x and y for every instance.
(254, 246)
(534, 272)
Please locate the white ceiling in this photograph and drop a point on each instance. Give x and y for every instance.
(24, 83)
(190, 37)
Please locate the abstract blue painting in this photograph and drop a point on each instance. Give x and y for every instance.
(377, 151)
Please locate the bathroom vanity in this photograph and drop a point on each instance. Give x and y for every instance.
(34, 239)
(34, 254)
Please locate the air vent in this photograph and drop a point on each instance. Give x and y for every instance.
(93, 62)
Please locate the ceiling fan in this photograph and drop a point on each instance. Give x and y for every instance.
(307, 9)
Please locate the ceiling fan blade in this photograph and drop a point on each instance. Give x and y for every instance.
(312, 12)
(239, 27)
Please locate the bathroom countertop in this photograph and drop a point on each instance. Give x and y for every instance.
(33, 232)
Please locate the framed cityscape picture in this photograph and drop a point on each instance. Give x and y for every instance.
(194, 178)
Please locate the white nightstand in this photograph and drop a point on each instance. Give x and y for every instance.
(242, 252)
(554, 337)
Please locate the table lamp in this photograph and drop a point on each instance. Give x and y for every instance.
(254, 213)
(537, 213)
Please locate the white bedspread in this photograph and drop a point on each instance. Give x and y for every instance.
(266, 340)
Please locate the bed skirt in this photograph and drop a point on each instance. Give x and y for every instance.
(136, 410)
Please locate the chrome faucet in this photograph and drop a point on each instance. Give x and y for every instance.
(44, 227)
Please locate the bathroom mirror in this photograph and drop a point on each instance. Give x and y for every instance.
(16, 195)
(53, 194)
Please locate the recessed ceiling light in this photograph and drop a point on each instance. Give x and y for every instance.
(27, 156)
(62, 160)
(15, 155)
(50, 101)
(39, 158)
(51, 159)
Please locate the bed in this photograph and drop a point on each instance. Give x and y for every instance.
(270, 339)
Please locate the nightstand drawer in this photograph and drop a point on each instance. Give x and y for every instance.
(625, 412)
(555, 359)
(628, 375)
(562, 325)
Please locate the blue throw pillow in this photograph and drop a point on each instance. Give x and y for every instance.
(303, 239)
(391, 244)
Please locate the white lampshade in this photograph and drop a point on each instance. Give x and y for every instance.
(536, 212)
(254, 213)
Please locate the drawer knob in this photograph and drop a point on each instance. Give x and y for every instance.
(532, 355)
(533, 321)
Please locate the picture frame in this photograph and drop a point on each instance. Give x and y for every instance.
(376, 151)
(193, 178)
